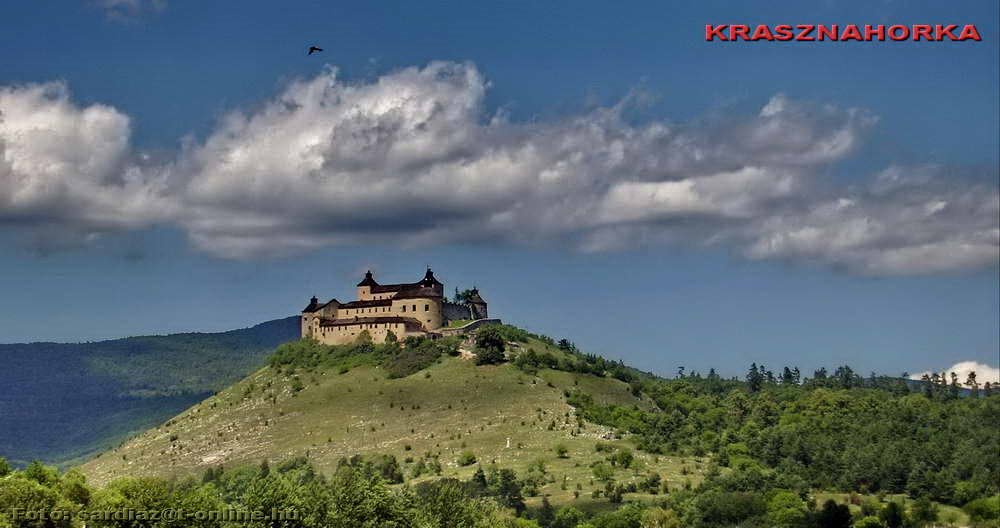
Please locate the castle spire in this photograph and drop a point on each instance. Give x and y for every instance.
(369, 280)
(429, 279)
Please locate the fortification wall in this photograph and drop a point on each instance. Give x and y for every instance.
(455, 312)
(471, 327)
(344, 334)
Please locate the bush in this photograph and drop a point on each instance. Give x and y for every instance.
(982, 510)
(467, 458)
(385, 467)
(603, 472)
(490, 345)
(416, 355)
(869, 522)
(651, 484)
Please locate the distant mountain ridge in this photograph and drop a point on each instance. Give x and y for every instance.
(63, 401)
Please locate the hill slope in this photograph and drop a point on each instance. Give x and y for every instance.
(62, 401)
(434, 415)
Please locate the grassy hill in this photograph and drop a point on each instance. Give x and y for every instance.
(575, 432)
(440, 414)
(64, 401)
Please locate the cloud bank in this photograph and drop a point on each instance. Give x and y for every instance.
(413, 158)
(67, 173)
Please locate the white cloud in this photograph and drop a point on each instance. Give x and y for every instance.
(983, 372)
(908, 221)
(414, 158)
(67, 171)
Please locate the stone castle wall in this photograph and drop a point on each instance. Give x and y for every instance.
(455, 312)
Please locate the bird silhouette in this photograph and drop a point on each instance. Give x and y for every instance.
(313, 49)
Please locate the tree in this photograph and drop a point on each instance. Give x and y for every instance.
(462, 297)
(970, 381)
(568, 517)
(924, 512)
(755, 380)
(659, 518)
(490, 345)
(869, 522)
(546, 513)
(603, 472)
(74, 487)
(30, 496)
(833, 515)
(505, 487)
(786, 510)
(892, 515)
(983, 510)
(489, 356)
(479, 481)
(928, 385)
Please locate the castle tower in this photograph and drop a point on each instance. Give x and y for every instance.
(477, 304)
(365, 286)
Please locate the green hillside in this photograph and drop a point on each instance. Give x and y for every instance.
(452, 409)
(65, 401)
(508, 425)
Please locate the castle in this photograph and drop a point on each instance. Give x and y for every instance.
(415, 309)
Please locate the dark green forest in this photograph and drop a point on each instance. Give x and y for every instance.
(62, 401)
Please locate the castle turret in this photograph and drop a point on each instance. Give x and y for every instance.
(477, 304)
(313, 305)
(366, 285)
(430, 282)
(309, 317)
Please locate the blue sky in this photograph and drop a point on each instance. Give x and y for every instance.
(688, 250)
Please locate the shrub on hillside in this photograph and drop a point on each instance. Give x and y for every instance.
(982, 511)
(490, 345)
(308, 354)
(467, 458)
(416, 354)
(490, 337)
(385, 467)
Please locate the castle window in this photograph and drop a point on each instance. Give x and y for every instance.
(414, 307)
(404, 307)
(427, 307)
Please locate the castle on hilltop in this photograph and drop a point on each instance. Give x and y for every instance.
(413, 309)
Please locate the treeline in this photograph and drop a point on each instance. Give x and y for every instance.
(840, 432)
(359, 493)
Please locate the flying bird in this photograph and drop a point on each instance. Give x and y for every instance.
(313, 49)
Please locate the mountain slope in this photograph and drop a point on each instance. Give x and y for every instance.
(449, 409)
(62, 401)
